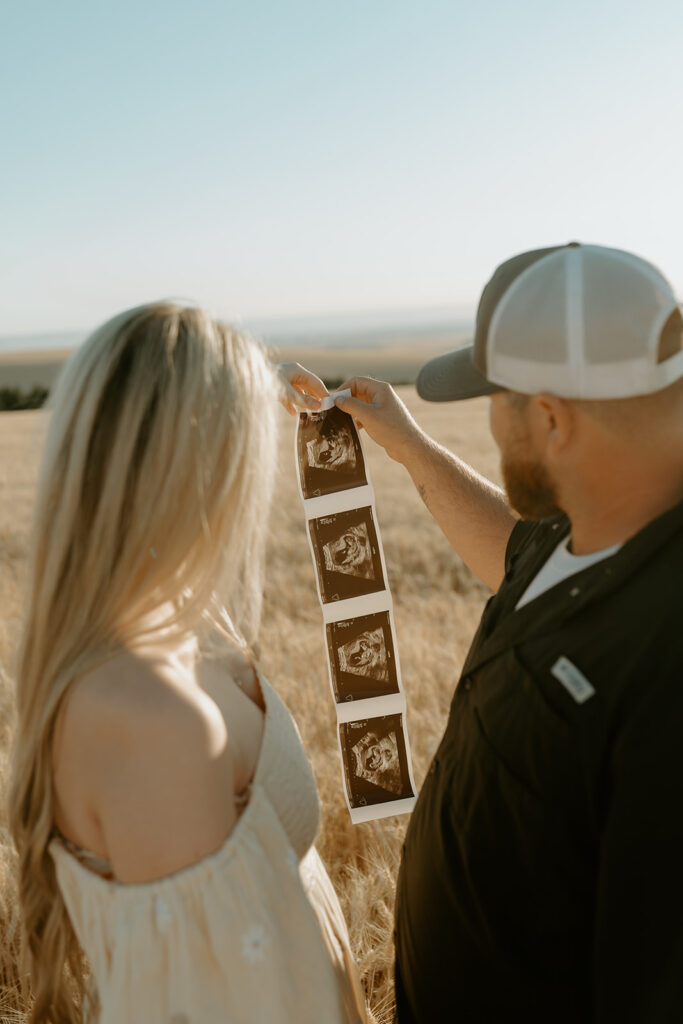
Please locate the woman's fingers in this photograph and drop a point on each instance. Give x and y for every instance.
(302, 389)
(303, 381)
(294, 399)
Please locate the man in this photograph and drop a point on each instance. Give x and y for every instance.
(541, 872)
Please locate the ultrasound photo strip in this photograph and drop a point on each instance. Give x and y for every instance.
(378, 775)
(365, 673)
(329, 453)
(360, 637)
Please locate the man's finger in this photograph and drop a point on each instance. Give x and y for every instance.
(363, 387)
(354, 406)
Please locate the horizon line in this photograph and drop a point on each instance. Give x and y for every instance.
(460, 312)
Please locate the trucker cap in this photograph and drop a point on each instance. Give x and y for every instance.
(578, 321)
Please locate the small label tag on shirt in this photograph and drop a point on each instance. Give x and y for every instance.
(573, 680)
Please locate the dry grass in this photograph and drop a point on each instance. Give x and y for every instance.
(437, 606)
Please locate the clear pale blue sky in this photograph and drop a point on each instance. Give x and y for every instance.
(280, 158)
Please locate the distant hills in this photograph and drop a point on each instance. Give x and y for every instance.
(391, 346)
(375, 330)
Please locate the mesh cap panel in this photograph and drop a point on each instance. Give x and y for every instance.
(502, 280)
(526, 324)
(609, 287)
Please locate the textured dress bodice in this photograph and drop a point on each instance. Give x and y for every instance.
(253, 932)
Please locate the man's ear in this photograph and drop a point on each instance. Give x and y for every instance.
(554, 421)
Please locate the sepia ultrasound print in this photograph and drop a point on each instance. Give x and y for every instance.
(347, 554)
(362, 657)
(366, 656)
(375, 760)
(361, 643)
(329, 453)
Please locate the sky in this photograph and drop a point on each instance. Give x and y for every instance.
(286, 158)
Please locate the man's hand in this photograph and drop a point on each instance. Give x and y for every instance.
(472, 512)
(300, 389)
(376, 406)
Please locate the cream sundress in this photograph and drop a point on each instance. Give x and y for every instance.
(251, 934)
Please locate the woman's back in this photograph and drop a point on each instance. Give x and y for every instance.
(148, 748)
(250, 931)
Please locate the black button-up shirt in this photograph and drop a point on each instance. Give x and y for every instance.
(542, 872)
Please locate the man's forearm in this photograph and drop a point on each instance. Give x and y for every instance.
(472, 511)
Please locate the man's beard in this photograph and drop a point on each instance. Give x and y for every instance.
(529, 488)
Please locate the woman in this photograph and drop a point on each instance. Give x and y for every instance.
(162, 805)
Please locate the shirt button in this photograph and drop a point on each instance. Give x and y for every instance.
(467, 684)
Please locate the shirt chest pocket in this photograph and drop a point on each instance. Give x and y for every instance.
(538, 748)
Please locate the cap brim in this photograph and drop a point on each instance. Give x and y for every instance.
(453, 377)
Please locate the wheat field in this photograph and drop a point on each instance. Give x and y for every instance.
(437, 603)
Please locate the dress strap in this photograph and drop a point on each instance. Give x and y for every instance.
(98, 865)
(242, 799)
(257, 679)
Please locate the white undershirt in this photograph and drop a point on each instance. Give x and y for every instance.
(562, 563)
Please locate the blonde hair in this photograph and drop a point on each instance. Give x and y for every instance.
(153, 487)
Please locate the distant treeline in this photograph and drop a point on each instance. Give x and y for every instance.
(334, 383)
(15, 398)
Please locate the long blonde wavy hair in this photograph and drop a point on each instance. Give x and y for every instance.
(154, 485)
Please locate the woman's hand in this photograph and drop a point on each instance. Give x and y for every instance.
(301, 389)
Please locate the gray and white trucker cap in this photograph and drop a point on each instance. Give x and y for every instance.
(578, 321)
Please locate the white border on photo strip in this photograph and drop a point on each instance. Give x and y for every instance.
(341, 501)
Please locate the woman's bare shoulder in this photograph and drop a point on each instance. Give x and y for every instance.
(129, 693)
(159, 771)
